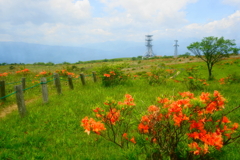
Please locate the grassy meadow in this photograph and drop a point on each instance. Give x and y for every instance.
(52, 130)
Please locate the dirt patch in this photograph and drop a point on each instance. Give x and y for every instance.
(12, 108)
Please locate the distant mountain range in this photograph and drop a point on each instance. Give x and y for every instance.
(19, 52)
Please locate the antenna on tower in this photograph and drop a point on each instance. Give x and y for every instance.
(176, 51)
(149, 45)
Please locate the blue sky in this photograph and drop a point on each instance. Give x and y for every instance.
(77, 22)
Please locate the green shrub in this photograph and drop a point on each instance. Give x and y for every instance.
(112, 75)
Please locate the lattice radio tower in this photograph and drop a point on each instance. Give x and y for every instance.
(149, 45)
(176, 51)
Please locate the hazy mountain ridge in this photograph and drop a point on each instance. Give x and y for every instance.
(20, 52)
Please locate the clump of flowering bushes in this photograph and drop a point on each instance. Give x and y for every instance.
(159, 75)
(179, 127)
(112, 75)
(230, 79)
(193, 80)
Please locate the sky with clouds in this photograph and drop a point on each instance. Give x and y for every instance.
(76, 22)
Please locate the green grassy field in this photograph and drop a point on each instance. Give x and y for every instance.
(53, 131)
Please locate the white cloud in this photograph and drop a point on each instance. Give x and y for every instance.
(44, 11)
(227, 27)
(70, 22)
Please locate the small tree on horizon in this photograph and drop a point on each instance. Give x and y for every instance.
(212, 50)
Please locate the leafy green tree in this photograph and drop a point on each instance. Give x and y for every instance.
(235, 51)
(212, 50)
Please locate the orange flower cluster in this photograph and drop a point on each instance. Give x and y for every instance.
(185, 112)
(92, 125)
(111, 73)
(131, 140)
(222, 81)
(111, 117)
(107, 75)
(43, 73)
(3, 74)
(64, 72)
(23, 71)
(129, 101)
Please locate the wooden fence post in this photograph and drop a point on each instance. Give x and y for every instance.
(2, 90)
(20, 100)
(70, 83)
(44, 89)
(82, 78)
(23, 83)
(57, 83)
(94, 76)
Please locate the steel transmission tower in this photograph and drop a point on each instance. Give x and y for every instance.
(149, 45)
(176, 51)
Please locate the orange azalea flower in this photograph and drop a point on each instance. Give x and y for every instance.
(204, 97)
(193, 145)
(128, 101)
(112, 72)
(154, 140)
(163, 100)
(107, 75)
(225, 120)
(187, 94)
(190, 77)
(43, 73)
(113, 116)
(133, 140)
(92, 125)
(153, 108)
(175, 107)
(143, 128)
(222, 80)
(179, 118)
(97, 109)
(235, 126)
(194, 135)
(125, 135)
(3, 74)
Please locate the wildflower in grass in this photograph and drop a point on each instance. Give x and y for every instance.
(153, 108)
(222, 81)
(187, 94)
(125, 136)
(3, 74)
(129, 101)
(190, 77)
(43, 73)
(112, 73)
(133, 140)
(143, 128)
(71, 74)
(163, 100)
(107, 75)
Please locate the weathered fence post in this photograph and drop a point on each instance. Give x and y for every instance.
(82, 78)
(70, 83)
(94, 76)
(44, 89)
(2, 90)
(57, 83)
(23, 83)
(20, 100)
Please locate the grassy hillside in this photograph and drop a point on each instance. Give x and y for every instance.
(53, 131)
